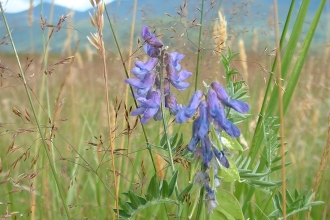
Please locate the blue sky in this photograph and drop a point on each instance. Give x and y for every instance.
(13, 6)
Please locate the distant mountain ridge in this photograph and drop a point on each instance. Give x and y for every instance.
(238, 13)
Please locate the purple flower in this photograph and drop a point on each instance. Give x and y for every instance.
(203, 123)
(206, 149)
(153, 44)
(176, 79)
(211, 203)
(151, 51)
(218, 114)
(150, 38)
(221, 157)
(141, 69)
(149, 106)
(176, 58)
(195, 139)
(241, 107)
(144, 85)
(187, 112)
(171, 104)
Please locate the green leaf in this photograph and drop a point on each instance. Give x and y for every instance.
(172, 183)
(218, 215)
(124, 205)
(229, 204)
(185, 191)
(230, 142)
(153, 188)
(229, 174)
(164, 189)
(122, 213)
(134, 199)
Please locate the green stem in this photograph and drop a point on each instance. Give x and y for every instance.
(258, 134)
(35, 114)
(131, 89)
(200, 204)
(169, 147)
(199, 44)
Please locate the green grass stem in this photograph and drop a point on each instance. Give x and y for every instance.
(22, 75)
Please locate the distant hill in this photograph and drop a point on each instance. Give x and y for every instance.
(242, 16)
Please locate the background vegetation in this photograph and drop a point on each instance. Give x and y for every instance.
(65, 78)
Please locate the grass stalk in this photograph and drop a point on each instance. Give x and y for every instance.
(322, 165)
(22, 76)
(131, 89)
(124, 168)
(280, 106)
(105, 75)
(199, 44)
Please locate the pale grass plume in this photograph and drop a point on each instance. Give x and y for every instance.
(255, 42)
(220, 33)
(243, 58)
(98, 22)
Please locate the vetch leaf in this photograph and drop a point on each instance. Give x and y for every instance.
(153, 189)
(172, 183)
(218, 215)
(164, 189)
(229, 203)
(124, 205)
(230, 142)
(229, 174)
(185, 191)
(134, 199)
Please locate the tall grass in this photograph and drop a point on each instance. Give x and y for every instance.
(75, 152)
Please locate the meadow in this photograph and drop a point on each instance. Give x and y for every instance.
(71, 150)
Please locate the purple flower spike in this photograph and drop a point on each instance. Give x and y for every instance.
(143, 86)
(153, 45)
(150, 38)
(176, 58)
(218, 114)
(239, 106)
(141, 69)
(149, 106)
(190, 110)
(204, 123)
(176, 79)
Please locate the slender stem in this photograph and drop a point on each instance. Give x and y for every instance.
(280, 105)
(105, 75)
(132, 92)
(200, 204)
(169, 147)
(22, 76)
(199, 44)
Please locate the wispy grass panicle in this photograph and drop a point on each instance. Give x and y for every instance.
(97, 41)
(220, 33)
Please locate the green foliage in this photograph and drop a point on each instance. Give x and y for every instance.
(156, 194)
(229, 207)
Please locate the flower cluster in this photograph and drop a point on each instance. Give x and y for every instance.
(147, 82)
(211, 111)
(147, 86)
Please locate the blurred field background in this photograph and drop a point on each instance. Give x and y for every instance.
(75, 115)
